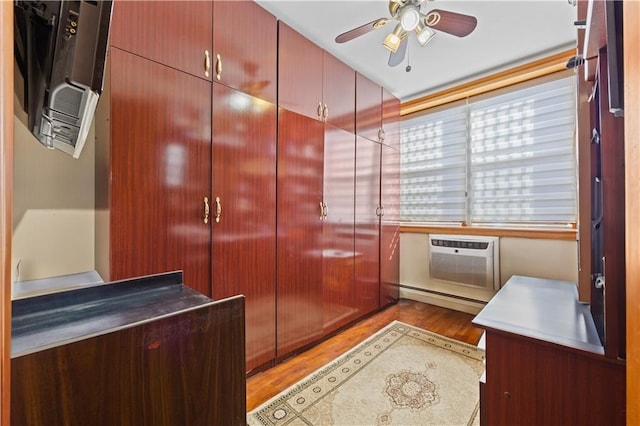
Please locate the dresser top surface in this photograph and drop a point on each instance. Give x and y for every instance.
(542, 309)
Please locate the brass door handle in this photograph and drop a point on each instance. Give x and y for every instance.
(207, 63)
(205, 219)
(218, 67)
(218, 209)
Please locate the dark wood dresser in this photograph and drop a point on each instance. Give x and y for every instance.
(145, 351)
(545, 364)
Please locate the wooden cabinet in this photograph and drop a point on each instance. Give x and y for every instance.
(299, 73)
(160, 168)
(182, 145)
(368, 108)
(367, 226)
(147, 351)
(244, 47)
(339, 93)
(390, 120)
(314, 83)
(338, 229)
(243, 216)
(390, 226)
(299, 231)
(175, 33)
(545, 364)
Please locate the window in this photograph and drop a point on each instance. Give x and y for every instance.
(507, 159)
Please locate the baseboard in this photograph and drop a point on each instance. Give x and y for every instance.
(439, 299)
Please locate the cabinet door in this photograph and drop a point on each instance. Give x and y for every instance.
(299, 231)
(174, 33)
(390, 119)
(245, 39)
(368, 108)
(390, 226)
(367, 226)
(244, 190)
(299, 73)
(338, 227)
(160, 171)
(339, 93)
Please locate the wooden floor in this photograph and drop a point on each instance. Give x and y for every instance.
(446, 322)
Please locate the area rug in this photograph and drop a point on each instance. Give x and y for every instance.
(402, 375)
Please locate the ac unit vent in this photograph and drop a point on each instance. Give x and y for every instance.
(470, 261)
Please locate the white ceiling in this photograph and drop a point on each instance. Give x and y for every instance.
(509, 33)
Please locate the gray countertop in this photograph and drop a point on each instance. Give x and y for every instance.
(50, 320)
(546, 310)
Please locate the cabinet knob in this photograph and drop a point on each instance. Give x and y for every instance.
(381, 135)
(205, 219)
(320, 111)
(218, 67)
(321, 210)
(207, 63)
(507, 395)
(218, 210)
(325, 112)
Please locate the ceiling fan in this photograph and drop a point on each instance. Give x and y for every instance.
(410, 18)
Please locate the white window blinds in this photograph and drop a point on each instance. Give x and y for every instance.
(504, 159)
(433, 167)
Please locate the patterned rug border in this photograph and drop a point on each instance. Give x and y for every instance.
(254, 417)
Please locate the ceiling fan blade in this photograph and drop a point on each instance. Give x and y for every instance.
(397, 58)
(451, 22)
(362, 29)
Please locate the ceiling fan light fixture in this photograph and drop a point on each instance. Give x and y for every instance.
(424, 34)
(409, 17)
(392, 41)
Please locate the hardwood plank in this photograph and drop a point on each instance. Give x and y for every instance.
(446, 322)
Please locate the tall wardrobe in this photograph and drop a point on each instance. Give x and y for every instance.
(228, 147)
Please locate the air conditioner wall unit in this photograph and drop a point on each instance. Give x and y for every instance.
(466, 260)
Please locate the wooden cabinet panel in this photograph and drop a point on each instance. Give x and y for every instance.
(339, 93)
(244, 181)
(368, 108)
(299, 73)
(390, 226)
(612, 174)
(534, 384)
(174, 33)
(299, 231)
(367, 226)
(160, 171)
(391, 119)
(141, 354)
(338, 228)
(245, 37)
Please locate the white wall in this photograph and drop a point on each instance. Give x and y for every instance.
(53, 208)
(552, 259)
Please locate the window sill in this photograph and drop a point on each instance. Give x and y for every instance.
(544, 234)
